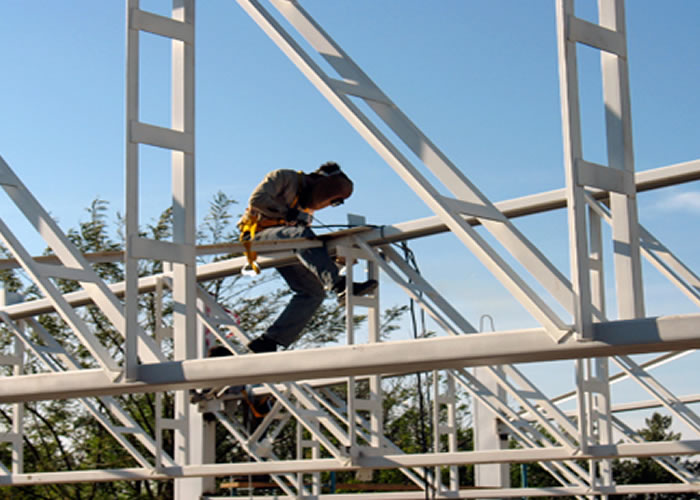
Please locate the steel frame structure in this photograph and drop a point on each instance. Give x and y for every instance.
(346, 434)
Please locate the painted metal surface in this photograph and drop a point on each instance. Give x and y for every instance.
(349, 430)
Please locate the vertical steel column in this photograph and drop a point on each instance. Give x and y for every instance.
(598, 368)
(487, 426)
(617, 177)
(189, 446)
(623, 204)
(16, 360)
(449, 429)
(373, 404)
(348, 255)
(131, 202)
(593, 381)
(201, 435)
(314, 447)
(593, 386)
(179, 139)
(18, 411)
(488, 432)
(573, 153)
(15, 437)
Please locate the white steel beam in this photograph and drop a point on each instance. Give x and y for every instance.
(131, 192)
(573, 152)
(652, 403)
(657, 390)
(525, 433)
(128, 424)
(619, 337)
(624, 450)
(470, 208)
(189, 438)
(517, 207)
(620, 153)
(432, 158)
(617, 177)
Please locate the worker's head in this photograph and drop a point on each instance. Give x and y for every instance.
(329, 186)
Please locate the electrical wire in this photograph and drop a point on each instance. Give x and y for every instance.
(430, 481)
(430, 489)
(321, 225)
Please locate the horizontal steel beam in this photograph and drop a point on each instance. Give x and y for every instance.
(262, 246)
(205, 272)
(495, 348)
(645, 405)
(516, 207)
(626, 450)
(672, 174)
(481, 492)
(637, 405)
(538, 203)
(550, 200)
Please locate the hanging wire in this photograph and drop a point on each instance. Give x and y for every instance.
(410, 257)
(319, 224)
(423, 400)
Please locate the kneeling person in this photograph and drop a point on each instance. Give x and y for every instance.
(282, 206)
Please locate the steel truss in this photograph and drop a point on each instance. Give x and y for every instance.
(345, 433)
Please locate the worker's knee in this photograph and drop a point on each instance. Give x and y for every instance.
(316, 293)
(305, 284)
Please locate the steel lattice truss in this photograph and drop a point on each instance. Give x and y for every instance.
(345, 434)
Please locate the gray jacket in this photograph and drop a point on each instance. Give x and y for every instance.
(276, 194)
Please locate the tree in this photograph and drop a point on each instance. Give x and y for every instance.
(646, 470)
(62, 435)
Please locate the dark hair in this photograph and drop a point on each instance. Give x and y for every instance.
(328, 168)
(328, 178)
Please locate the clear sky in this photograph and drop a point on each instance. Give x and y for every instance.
(479, 77)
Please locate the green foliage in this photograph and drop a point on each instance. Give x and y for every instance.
(63, 435)
(646, 470)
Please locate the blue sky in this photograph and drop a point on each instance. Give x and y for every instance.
(479, 77)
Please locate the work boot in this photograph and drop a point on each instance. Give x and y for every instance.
(358, 289)
(216, 351)
(262, 344)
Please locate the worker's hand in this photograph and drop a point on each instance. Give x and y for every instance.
(291, 216)
(295, 216)
(304, 218)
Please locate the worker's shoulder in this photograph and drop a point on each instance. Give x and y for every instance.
(282, 175)
(282, 172)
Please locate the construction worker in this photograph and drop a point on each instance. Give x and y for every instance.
(282, 207)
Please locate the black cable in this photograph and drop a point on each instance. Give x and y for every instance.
(411, 259)
(321, 225)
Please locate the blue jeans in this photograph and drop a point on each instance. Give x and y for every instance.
(309, 281)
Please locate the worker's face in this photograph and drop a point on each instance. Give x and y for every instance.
(327, 201)
(328, 191)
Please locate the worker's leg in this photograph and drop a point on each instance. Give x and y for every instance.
(309, 282)
(315, 259)
(308, 296)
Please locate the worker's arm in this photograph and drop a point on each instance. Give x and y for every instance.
(275, 194)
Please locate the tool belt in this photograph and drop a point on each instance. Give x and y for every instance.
(252, 222)
(249, 224)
